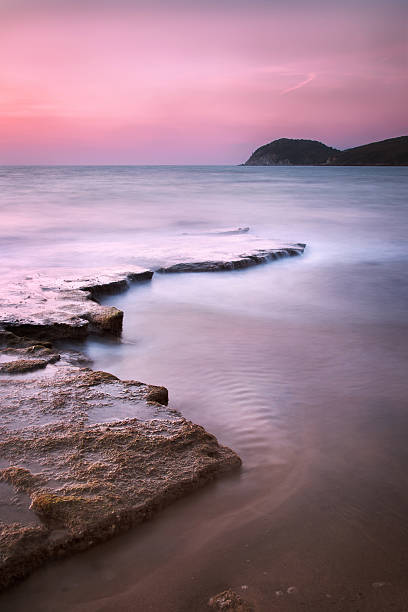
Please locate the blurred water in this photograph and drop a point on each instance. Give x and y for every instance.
(86, 215)
(299, 365)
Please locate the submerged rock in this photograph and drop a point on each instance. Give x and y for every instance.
(229, 600)
(21, 355)
(94, 456)
(20, 366)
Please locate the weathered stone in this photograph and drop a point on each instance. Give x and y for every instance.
(46, 306)
(96, 456)
(242, 261)
(20, 366)
(90, 455)
(42, 306)
(229, 600)
(23, 356)
(9, 340)
(20, 478)
(158, 394)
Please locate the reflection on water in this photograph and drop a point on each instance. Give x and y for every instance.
(299, 365)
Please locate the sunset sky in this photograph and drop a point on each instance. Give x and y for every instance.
(196, 82)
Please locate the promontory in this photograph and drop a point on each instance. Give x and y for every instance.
(298, 152)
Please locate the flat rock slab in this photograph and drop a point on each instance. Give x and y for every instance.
(46, 306)
(243, 260)
(63, 303)
(220, 250)
(83, 456)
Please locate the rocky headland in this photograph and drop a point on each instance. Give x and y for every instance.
(390, 152)
(297, 152)
(84, 455)
(291, 152)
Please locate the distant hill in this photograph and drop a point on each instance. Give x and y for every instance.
(391, 152)
(291, 152)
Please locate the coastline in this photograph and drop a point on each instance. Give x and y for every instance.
(156, 444)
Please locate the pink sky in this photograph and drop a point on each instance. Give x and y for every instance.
(96, 81)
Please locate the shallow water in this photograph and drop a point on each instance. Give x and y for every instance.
(299, 365)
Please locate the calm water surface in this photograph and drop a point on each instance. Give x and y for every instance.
(299, 365)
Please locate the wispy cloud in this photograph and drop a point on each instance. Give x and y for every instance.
(310, 77)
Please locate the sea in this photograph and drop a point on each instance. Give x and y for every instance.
(299, 365)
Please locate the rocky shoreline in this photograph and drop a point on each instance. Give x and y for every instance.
(84, 455)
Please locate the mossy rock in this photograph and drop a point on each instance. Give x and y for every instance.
(20, 366)
(110, 319)
(21, 478)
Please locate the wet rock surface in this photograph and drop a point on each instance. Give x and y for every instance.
(91, 455)
(26, 358)
(84, 455)
(243, 260)
(21, 355)
(229, 600)
(45, 306)
(63, 303)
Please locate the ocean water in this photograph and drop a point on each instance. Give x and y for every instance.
(299, 365)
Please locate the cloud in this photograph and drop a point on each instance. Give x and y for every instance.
(310, 77)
